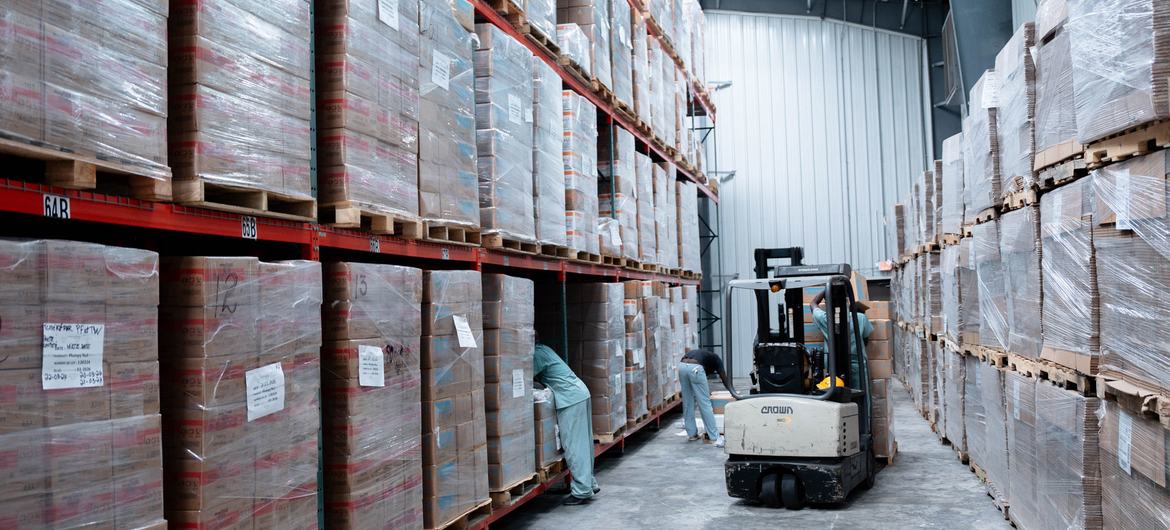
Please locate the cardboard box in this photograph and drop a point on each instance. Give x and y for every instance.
(878, 310)
(882, 330)
(881, 369)
(878, 349)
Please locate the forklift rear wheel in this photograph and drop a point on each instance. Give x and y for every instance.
(770, 490)
(871, 473)
(791, 492)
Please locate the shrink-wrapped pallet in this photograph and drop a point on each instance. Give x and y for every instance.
(949, 276)
(1017, 109)
(448, 184)
(504, 136)
(575, 47)
(666, 212)
(951, 212)
(656, 310)
(954, 425)
(622, 51)
(974, 417)
(1056, 120)
(661, 116)
(541, 16)
(1019, 251)
(1024, 470)
(368, 106)
(996, 454)
(981, 153)
(643, 73)
(690, 317)
(1133, 470)
(597, 333)
(647, 216)
(933, 316)
(371, 391)
(1069, 266)
(509, 343)
(883, 419)
(618, 192)
(548, 167)
(1069, 492)
(545, 431)
(688, 226)
(593, 17)
(901, 245)
(1120, 62)
(636, 367)
(989, 275)
(967, 326)
(579, 154)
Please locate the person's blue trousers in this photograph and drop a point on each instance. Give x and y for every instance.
(696, 391)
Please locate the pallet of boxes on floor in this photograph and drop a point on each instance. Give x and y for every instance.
(1046, 376)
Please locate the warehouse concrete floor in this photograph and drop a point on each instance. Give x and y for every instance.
(664, 482)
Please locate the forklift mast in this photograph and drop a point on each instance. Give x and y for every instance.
(789, 315)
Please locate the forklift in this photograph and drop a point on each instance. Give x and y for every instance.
(803, 433)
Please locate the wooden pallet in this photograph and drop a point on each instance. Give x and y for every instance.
(1021, 198)
(992, 356)
(505, 7)
(347, 214)
(1138, 399)
(85, 172)
(499, 242)
(549, 471)
(552, 251)
(964, 457)
(649, 267)
(584, 257)
(947, 240)
(504, 496)
(927, 248)
(468, 518)
(1058, 154)
(673, 272)
(601, 90)
(548, 45)
(605, 438)
(613, 260)
(692, 275)
(575, 70)
(630, 424)
(1052, 373)
(442, 233)
(988, 214)
(1133, 142)
(1062, 173)
(248, 201)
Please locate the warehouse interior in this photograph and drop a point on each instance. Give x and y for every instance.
(510, 264)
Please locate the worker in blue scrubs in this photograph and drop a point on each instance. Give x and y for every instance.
(574, 420)
(821, 319)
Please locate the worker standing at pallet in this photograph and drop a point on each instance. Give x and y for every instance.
(574, 420)
(693, 370)
(821, 319)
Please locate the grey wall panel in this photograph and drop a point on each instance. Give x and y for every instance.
(825, 124)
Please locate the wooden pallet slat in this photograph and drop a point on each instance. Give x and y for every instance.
(499, 242)
(517, 489)
(468, 518)
(79, 171)
(1135, 141)
(605, 438)
(440, 232)
(348, 214)
(242, 200)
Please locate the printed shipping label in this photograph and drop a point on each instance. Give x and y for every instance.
(517, 383)
(388, 13)
(463, 332)
(265, 390)
(371, 362)
(72, 355)
(441, 70)
(1124, 434)
(515, 109)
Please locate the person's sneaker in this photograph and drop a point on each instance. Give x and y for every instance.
(721, 442)
(596, 490)
(693, 439)
(573, 500)
(707, 440)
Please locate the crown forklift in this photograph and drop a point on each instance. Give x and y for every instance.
(792, 440)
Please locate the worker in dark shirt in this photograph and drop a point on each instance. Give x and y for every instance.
(693, 370)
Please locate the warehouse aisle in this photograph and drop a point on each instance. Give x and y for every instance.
(664, 482)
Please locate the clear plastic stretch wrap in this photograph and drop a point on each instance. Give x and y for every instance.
(594, 19)
(951, 216)
(617, 192)
(656, 310)
(448, 182)
(504, 134)
(642, 72)
(1056, 120)
(548, 168)
(974, 419)
(666, 212)
(239, 94)
(575, 46)
(1132, 243)
(1120, 61)
(678, 103)
(636, 367)
(545, 430)
(542, 18)
(955, 372)
(899, 229)
(64, 68)
(622, 44)
(1024, 471)
(454, 437)
(933, 292)
(509, 342)
(1019, 252)
(660, 85)
(1133, 470)
(371, 391)
(688, 226)
(981, 156)
(691, 317)
(647, 218)
(579, 155)
(1069, 267)
(949, 275)
(1017, 109)
(367, 101)
(669, 105)
(989, 274)
(597, 334)
(698, 24)
(967, 327)
(1069, 492)
(996, 452)
(240, 346)
(79, 384)
(677, 338)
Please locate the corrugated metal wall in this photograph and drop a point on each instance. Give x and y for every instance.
(824, 124)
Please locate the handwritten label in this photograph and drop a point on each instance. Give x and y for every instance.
(371, 361)
(72, 355)
(265, 390)
(463, 332)
(248, 227)
(56, 206)
(515, 109)
(388, 13)
(441, 70)
(517, 383)
(1124, 435)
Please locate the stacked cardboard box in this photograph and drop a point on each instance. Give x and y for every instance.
(1071, 304)
(974, 417)
(454, 436)
(504, 134)
(690, 317)
(575, 47)
(542, 18)
(548, 171)
(635, 295)
(448, 185)
(1056, 120)
(225, 127)
(899, 228)
(667, 97)
(981, 158)
(989, 274)
(371, 389)
(884, 445)
(66, 65)
(687, 202)
(658, 87)
(953, 425)
(1133, 466)
(932, 278)
(367, 96)
(622, 51)
(618, 192)
(509, 343)
(1015, 116)
(642, 72)
(597, 334)
(928, 202)
(545, 431)
(593, 17)
(1068, 487)
(79, 384)
(995, 453)
(647, 216)
(656, 310)
(951, 212)
(677, 339)
(666, 214)
(1023, 470)
(580, 163)
(1019, 251)
(697, 23)
(241, 343)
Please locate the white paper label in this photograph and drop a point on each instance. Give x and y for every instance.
(56, 206)
(990, 90)
(557, 435)
(1016, 399)
(265, 390)
(71, 355)
(463, 332)
(515, 109)
(517, 383)
(615, 234)
(1123, 200)
(388, 13)
(371, 366)
(528, 115)
(441, 70)
(1124, 435)
(248, 227)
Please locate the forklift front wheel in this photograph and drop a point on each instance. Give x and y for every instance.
(770, 490)
(791, 492)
